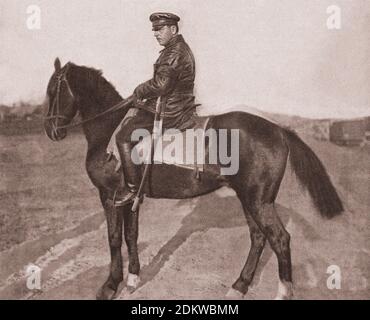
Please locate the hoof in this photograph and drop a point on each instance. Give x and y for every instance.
(234, 294)
(131, 286)
(285, 291)
(106, 293)
(126, 294)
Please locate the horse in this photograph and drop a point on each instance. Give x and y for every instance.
(265, 149)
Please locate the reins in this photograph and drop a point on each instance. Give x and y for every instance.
(124, 103)
(62, 77)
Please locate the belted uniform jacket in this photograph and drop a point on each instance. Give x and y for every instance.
(173, 81)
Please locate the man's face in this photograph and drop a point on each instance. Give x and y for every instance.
(165, 34)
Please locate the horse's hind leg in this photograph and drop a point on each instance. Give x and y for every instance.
(114, 224)
(258, 240)
(270, 224)
(257, 188)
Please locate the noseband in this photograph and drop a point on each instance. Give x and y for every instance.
(55, 108)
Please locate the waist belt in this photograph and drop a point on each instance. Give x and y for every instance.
(182, 93)
(184, 88)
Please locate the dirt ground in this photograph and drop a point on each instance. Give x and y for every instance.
(50, 216)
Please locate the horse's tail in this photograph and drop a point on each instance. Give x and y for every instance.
(312, 174)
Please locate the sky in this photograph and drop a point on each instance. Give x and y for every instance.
(277, 56)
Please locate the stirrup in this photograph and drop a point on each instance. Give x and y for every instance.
(128, 198)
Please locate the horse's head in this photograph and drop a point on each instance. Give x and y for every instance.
(61, 106)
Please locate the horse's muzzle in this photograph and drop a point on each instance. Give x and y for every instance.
(53, 132)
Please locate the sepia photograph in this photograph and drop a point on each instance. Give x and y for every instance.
(186, 150)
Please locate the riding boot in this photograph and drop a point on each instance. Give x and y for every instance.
(126, 194)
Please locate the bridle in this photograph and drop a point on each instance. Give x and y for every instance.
(54, 113)
(55, 109)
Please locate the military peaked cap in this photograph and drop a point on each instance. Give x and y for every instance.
(160, 19)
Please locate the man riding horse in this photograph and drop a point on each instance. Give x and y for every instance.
(173, 84)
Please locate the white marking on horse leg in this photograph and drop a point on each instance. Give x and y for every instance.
(132, 280)
(234, 294)
(285, 291)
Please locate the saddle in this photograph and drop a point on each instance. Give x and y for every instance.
(185, 149)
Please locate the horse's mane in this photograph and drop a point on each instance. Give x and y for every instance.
(96, 78)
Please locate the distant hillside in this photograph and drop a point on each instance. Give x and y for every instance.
(317, 128)
(20, 110)
(24, 118)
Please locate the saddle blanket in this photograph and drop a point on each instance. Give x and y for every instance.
(185, 149)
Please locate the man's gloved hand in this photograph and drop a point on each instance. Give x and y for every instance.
(138, 102)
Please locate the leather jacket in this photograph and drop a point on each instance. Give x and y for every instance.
(173, 81)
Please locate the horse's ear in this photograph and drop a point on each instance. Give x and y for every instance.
(57, 65)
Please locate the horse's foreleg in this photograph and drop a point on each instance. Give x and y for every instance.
(258, 241)
(131, 228)
(114, 223)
